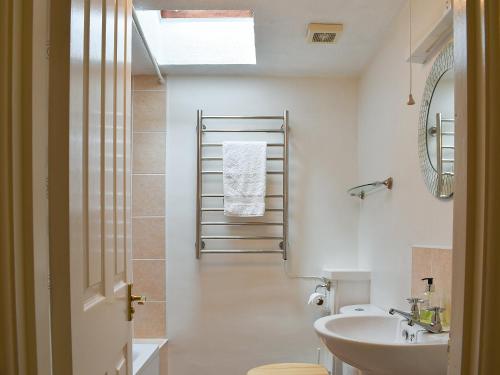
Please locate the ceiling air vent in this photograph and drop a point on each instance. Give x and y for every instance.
(323, 32)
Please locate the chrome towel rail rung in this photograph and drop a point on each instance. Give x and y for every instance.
(241, 223)
(212, 158)
(241, 237)
(222, 196)
(242, 130)
(220, 145)
(220, 172)
(203, 117)
(222, 209)
(242, 251)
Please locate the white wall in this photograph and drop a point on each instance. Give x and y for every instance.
(391, 222)
(229, 313)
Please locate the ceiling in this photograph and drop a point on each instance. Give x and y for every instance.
(280, 36)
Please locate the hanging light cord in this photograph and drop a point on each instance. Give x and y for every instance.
(411, 101)
(411, 53)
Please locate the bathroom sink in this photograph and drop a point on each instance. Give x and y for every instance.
(375, 344)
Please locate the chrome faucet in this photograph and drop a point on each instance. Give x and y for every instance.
(413, 317)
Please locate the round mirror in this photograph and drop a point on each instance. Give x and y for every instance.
(437, 127)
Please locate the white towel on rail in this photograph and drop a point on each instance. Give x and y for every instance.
(244, 178)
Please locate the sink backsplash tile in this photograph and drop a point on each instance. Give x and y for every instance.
(436, 263)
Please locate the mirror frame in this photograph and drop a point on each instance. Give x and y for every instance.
(441, 65)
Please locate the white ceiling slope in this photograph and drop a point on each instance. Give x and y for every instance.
(280, 36)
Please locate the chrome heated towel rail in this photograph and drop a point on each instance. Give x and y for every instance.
(440, 147)
(200, 195)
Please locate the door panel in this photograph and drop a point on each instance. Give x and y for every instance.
(92, 226)
(120, 145)
(92, 140)
(121, 364)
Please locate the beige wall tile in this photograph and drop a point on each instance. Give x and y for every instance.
(149, 320)
(149, 110)
(148, 195)
(147, 82)
(436, 263)
(431, 262)
(148, 238)
(421, 267)
(441, 269)
(148, 153)
(149, 279)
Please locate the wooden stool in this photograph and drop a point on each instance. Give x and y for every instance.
(289, 369)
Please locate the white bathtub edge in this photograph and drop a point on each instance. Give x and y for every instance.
(145, 358)
(159, 342)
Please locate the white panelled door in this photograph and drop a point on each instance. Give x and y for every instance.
(91, 249)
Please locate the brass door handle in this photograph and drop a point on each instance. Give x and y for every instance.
(139, 299)
(131, 299)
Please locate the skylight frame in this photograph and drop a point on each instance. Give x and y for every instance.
(200, 37)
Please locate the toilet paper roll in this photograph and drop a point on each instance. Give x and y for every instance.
(316, 299)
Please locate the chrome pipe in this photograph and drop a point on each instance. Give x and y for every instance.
(215, 158)
(220, 145)
(242, 118)
(241, 237)
(222, 209)
(433, 131)
(138, 27)
(243, 131)
(249, 251)
(240, 223)
(199, 187)
(285, 185)
(222, 196)
(220, 172)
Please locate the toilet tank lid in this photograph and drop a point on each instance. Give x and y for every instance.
(361, 309)
(340, 274)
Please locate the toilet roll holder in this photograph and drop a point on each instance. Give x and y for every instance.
(319, 298)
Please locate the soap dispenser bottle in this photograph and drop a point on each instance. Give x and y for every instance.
(427, 298)
(428, 292)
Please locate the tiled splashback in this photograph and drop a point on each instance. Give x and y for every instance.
(436, 263)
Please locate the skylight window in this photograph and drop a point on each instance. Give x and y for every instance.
(199, 37)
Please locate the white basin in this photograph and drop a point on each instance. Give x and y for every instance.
(374, 344)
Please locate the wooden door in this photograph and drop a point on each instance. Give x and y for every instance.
(89, 185)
